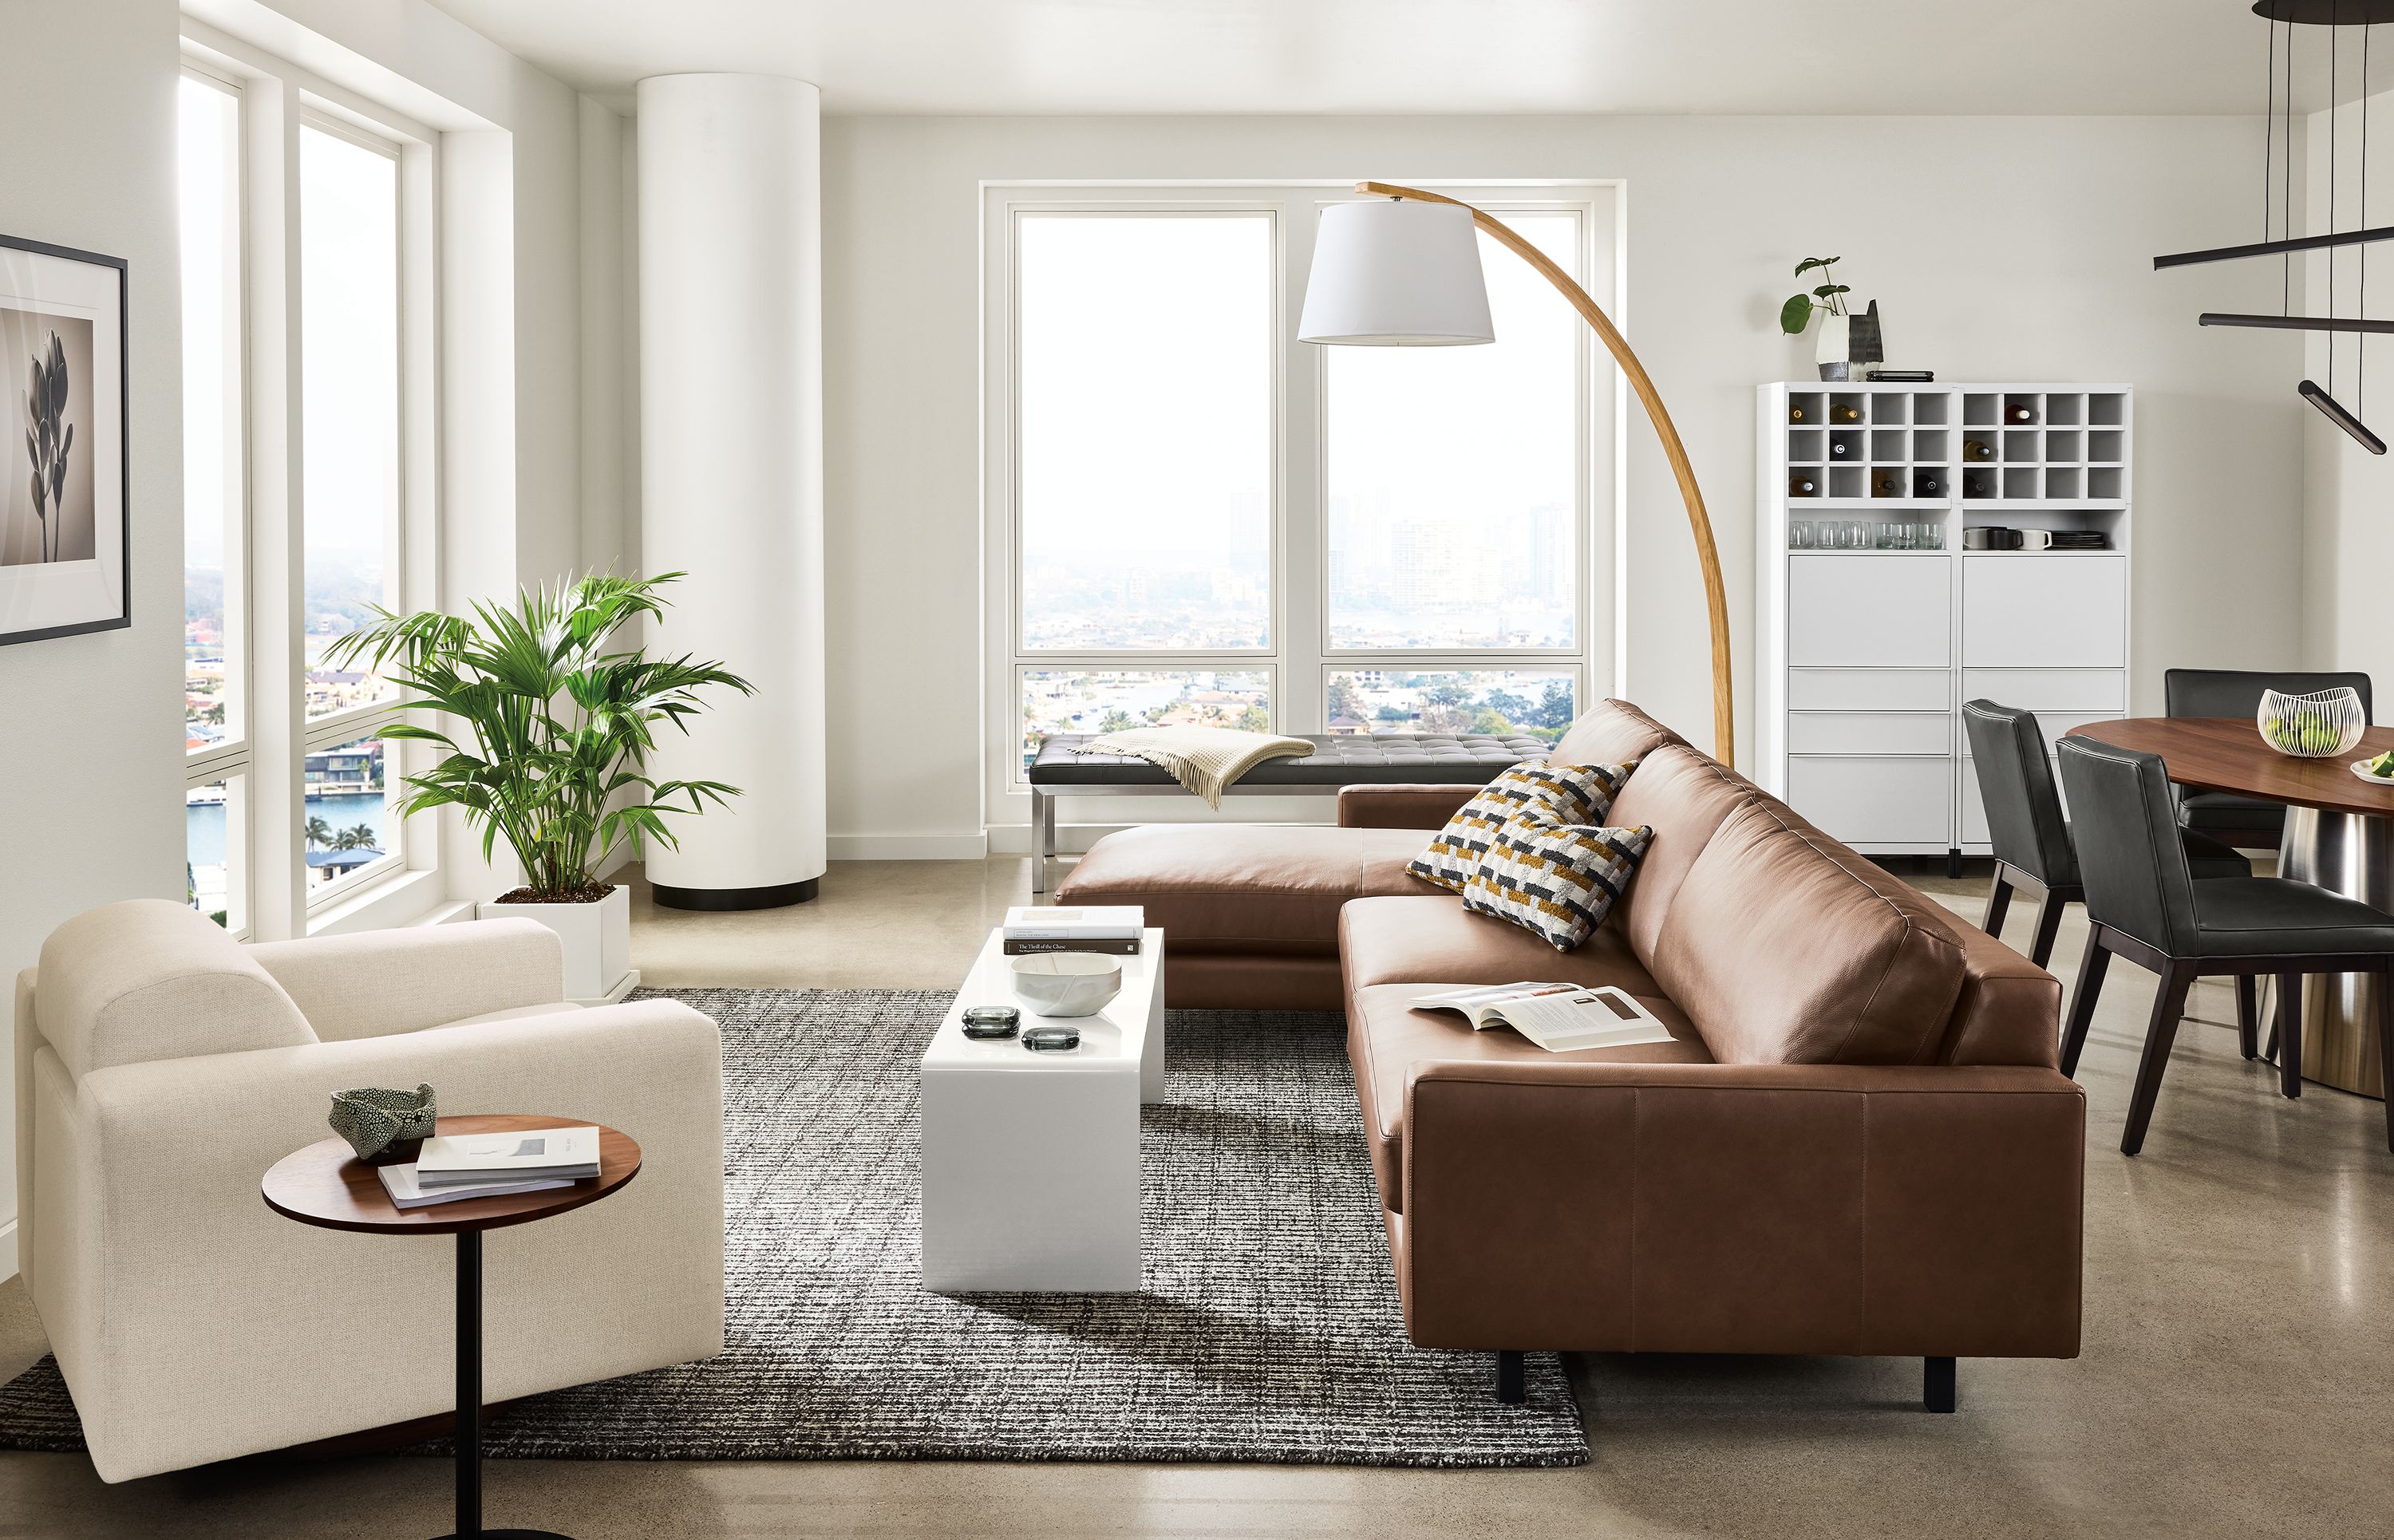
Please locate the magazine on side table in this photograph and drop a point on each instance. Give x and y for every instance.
(1557, 1017)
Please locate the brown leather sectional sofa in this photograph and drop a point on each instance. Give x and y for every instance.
(1858, 1144)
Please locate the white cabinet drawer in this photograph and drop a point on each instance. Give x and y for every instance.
(2048, 689)
(2054, 725)
(2047, 611)
(1870, 732)
(1865, 801)
(1886, 612)
(1870, 690)
(1974, 808)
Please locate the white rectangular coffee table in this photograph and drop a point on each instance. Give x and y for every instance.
(1030, 1159)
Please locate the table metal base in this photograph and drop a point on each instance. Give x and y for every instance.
(469, 1403)
(2351, 854)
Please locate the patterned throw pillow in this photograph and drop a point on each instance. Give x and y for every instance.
(1574, 794)
(1556, 879)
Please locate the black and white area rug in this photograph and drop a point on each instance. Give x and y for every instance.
(1267, 1329)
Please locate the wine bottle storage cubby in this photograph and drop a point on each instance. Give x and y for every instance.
(1986, 443)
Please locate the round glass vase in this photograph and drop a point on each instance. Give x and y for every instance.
(2311, 727)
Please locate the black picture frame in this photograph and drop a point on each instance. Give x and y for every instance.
(123, 274)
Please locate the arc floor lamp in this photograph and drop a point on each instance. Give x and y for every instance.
(1405, 273)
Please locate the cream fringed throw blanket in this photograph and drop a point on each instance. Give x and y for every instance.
(1204, 759)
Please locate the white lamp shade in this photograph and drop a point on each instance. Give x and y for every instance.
(1396, 273)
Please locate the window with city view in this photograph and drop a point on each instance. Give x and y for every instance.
(1146, 456)
(1207, 521)
(257, 859)
(1451, 474)
(349, 290)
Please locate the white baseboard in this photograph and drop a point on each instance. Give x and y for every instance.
(972, 846)
(8, 1251)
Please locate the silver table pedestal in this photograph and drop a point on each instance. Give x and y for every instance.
(2351, 854)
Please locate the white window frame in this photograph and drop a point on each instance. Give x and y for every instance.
(278, 99)
(1300, 659)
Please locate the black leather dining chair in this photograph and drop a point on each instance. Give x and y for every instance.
(2245, 821)
(2031, 838)
(2148, 906)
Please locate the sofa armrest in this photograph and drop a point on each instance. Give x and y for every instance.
(207, 1326)
(1743, 1208)
(381, 981)
(1407, 807)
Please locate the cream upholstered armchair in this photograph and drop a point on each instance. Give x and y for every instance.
(162, 1066)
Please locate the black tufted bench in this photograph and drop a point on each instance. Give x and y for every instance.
(1463, 759)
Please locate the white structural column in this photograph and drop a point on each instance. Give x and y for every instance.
(730, 289)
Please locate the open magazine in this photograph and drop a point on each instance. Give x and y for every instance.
(1557, 1017)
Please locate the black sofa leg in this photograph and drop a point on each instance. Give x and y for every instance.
(1513, 1377)
(1937, 1384)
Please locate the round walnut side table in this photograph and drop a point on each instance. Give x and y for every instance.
(328, 1186)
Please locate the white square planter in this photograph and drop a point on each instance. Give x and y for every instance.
(598, 939)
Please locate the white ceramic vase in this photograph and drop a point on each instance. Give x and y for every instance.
(598, 939)
(1833, 345)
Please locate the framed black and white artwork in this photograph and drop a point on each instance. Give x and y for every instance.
(65, 530)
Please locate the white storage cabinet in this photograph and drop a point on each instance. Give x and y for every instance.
(1865, 656)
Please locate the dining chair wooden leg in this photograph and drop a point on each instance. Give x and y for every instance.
(2248, 1014)
(2289, 1033)
(1999, 902)
(2169, 1004)
(2048, 926)
(2091, 968)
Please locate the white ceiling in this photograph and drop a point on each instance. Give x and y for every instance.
(1424, 56)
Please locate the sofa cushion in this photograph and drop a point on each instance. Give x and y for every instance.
(1406, 940)
(147, 979)
(1386, 1038)
(1785, 948)
(1611, 733)
(1683, 796)
(1573, 794)
(1269, 888)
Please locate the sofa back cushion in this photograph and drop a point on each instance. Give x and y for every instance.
(1783, 947)
(1611, 733)
(1683, 796)
(148, 979)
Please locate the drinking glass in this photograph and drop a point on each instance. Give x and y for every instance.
(1800, 535)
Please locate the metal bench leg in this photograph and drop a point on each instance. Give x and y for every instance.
(1042, 836)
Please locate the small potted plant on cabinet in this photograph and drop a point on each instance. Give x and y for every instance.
(546, 746)
(1834, 350)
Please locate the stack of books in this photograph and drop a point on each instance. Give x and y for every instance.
(1110, 929)
(454, 1166)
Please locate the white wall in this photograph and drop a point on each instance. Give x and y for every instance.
(2015, 248)
(2348, 492)
(91, 742)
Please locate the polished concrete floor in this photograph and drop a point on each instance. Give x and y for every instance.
(2239, 1347)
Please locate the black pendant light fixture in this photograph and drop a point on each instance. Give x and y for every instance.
(2338, 17)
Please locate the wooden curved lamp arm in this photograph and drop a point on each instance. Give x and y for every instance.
(1700, 522)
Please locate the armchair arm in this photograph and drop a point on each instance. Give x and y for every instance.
(181, 1272)
(1776, 1208)
(381, 981)
(1402, 807)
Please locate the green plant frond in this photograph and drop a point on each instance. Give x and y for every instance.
(555, 725)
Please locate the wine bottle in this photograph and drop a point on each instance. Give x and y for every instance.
(1885, 483)
(1978, 484)
(1928, 483)
(1845, 411)
(1978, 449)
(2018, 412)
(1800, 484)
(1839, 449)
(1794, 413)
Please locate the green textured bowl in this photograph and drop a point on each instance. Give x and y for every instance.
(385, 1128)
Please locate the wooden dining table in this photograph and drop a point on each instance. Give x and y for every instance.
(2339, 834)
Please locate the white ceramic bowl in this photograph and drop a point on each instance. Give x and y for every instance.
(1067, 983)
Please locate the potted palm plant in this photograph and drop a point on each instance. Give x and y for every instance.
(547, 742)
